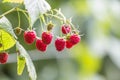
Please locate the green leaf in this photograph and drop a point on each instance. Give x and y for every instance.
(35, 8)
(7, 26)
(29, 63)
(6, 40)
(13, 1)
(20, 64)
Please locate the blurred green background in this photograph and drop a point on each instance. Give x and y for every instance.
(96, 57)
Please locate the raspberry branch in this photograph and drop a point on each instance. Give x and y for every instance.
(62, 18)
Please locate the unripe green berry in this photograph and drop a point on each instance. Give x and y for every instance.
(18, 30)
(50, 26)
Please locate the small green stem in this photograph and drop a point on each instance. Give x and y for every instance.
(21, 10)
(18, 9)
(41, 23)
(72, 25)
(64, 19)
(61, 14)
(24, 12)
(60, 30)
(18, 18)
(11, 10)
(43, 19)
(61, 19)
(55, 17)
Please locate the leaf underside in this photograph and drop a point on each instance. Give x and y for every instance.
(29, 63)
(36, 8)
(7, 26)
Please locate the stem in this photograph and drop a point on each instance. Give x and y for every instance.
(60, 30)
(18, 9)
(43, 19)
(55, 17)
(41, 23)
(61, 19)
(18, 18)
(11, 10)
(61, 14)
(72, 25)
(24, 12)
(64, 19)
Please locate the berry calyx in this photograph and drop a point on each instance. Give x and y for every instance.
(66, 28)
(47, 37)
(50, 26)
(60, 44)
(3, 57)
(29, 36)
(74, 39)
(69, 44)
(18, 30)
(40, 45)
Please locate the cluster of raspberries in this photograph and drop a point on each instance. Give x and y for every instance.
(69, 40)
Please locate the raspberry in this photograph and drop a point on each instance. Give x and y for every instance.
(60, 44)
(3, 57)
(74, 39)
(29, 36)
(68, 44)
(47, 37)
(66, 29)
(40, 45)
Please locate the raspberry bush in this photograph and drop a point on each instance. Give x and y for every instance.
(40, 10)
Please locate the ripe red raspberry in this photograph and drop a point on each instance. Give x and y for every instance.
(69, 44)
(40, 45)
(47, 37)
(74, 39)
(60, 44)
(66, 28)
(3, 57)
(29, 36)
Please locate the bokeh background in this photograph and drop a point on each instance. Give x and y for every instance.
(96, 57)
